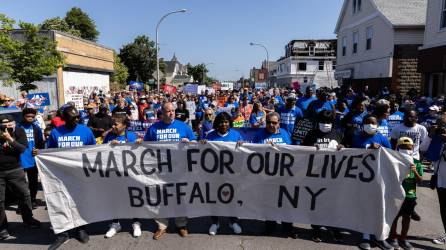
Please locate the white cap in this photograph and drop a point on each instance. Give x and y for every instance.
(434, 108)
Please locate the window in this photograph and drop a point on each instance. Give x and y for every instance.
(443, 15)
(369, 36)
(305, 79)
(333, 65)
(344, 46)
(302, 66)
(321, 65)
(356, 6)
(355, 42)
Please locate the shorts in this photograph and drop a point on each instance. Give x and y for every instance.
(408, 206)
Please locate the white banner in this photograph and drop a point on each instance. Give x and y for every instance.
(356, 189)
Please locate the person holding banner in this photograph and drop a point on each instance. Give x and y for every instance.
(272, 134)
(119, 134)
(324, 136)
(371, 138)
(70, 135)
(170, 129)
(223, 132)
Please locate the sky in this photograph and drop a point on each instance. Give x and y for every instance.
(214, 32)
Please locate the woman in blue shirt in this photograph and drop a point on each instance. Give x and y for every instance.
(257, 117)
(371, 138)
(119, 134)
(223, 132)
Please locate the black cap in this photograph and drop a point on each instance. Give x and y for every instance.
(6, 118)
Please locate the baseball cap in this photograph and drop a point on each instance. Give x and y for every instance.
(6, 118)
(434, 108)
(404, 141)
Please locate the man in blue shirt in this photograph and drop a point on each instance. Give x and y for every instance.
(319, 104)
(70, 135)
(303, 102)
(169, 129)
(35, 141)
(288, 115)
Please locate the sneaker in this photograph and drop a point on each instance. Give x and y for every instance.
(316, 236)
(383, 244)
(394, 243)
(32, 223)
(440, 240)
(405, 244)
(60, 240)
(365, 244)
(415, 216)
(83, 236)
(213, 229)
(136, 229)
(114, 228)
(4, 234)
(236, 228)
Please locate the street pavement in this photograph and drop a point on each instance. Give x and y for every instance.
(420, 233)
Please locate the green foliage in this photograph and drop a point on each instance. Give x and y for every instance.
(198, 72)
(120, 73)
(29, 57)
(139, 57)
(60, 24)
(79, 20)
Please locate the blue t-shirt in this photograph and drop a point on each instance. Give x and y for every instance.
(303, 102)
(395, 119)
(281, 138)
(61, 137)
(288, 117)
(317, 106)
(383, 128)
(231, 105)
(364, 141)
(255, 118)
(232, 135)
(357, 122)
(26, 158)
(129, 136)
(174, 131)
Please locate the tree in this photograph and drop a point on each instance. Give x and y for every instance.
(198, 72)
(31, 57)
(60, 24)
(140, 59)
(6, 44)
(120, 73)
(79, 20)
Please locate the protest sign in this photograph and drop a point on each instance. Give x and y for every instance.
(138, 127)
(78, 100)
(39, 99)
(139, 86)
(357, 189)
(301, 129)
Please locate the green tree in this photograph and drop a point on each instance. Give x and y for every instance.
(60, 24)
(198, 72)
(120, 73)
(140, 58)
(31, 57)
(79, 20)
(6, 45)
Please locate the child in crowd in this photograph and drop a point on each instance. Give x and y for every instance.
(405, 147)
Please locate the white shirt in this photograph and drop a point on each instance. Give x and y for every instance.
(417, 133)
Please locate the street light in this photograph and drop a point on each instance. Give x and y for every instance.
(157, 47)
(205, 64)
(267, 56)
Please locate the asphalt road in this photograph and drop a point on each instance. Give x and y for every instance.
(420, 233)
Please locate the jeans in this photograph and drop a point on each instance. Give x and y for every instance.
(16, 180)
(32, 175)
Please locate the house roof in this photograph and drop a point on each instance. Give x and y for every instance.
(403, 12)
(398, 13)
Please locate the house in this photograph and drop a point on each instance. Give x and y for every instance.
(175, 73)
(432, 55)
(378, 43)
(87, 69)
(307, 62)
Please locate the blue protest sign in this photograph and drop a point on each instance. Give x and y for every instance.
(139, 86)
(39, 99)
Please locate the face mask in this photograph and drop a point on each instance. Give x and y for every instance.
(325, 127)
(143, 101)
(407, 154)
(370, 129)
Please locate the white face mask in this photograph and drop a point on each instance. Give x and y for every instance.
(325, 127)
(407, 154)
(370, 129)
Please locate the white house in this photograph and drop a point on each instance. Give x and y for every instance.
(378, 43)
(176, 73)
(307, 62)
(432, 55)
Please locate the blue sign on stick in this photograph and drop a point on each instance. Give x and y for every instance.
(39, 99)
